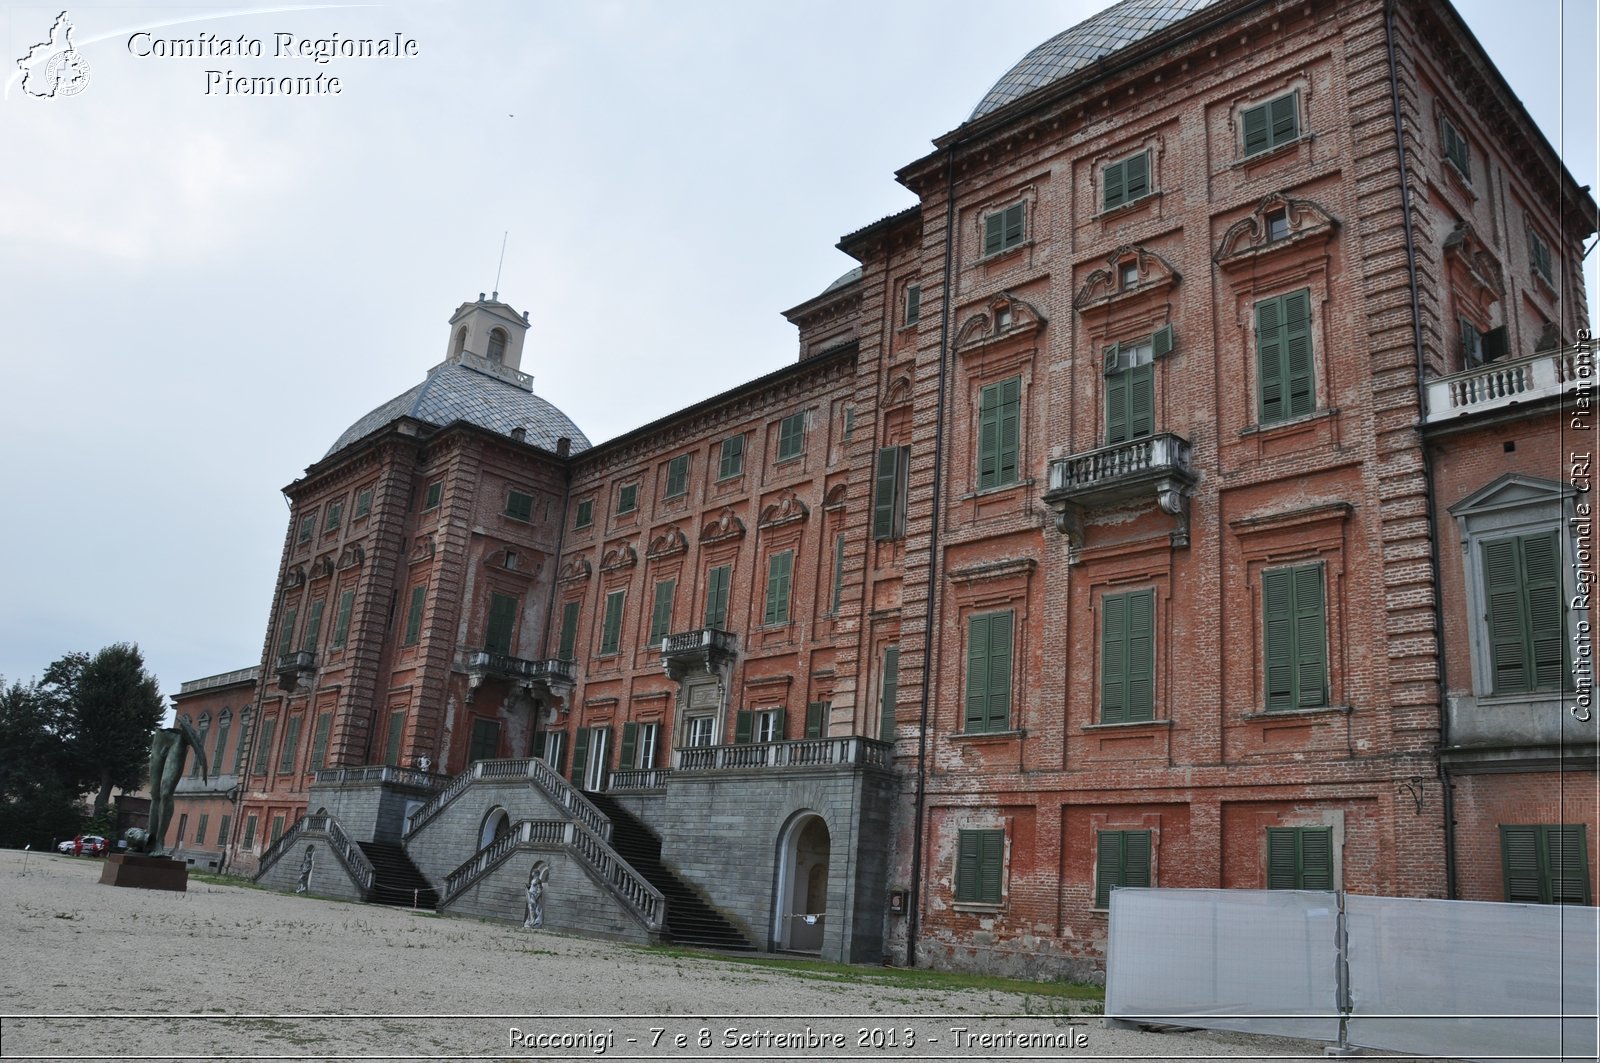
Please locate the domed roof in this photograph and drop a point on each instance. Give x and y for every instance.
(456, 391)
(1094, 38)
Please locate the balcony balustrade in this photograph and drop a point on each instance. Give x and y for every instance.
(1499, 385)
(295, 669)
(550, 679)
(701, 650)
(1157, 466)
(843, 751)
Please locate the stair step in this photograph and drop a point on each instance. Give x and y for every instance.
(395, 879)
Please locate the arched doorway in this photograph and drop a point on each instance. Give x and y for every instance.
(496, 823)
(802, 908)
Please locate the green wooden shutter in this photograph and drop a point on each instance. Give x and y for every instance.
(1013, 226)
(1127, 657)
(1519, 854)
(661, 611)
(569, 631)
(414, 616)
(319, 742)
(1297, 353)
(627, 498)
(519, 505)
(313, 627)
(780, 568)
(630, 745)
(291, 742)
(1283, 858)
(991, 865)
(1136, 858)
(988, 672)
(1113, 660)
(1107, 865)
(286, 631)
(222, 744)
(249, 831)
(890, 691)
(817, 719)
(585, 514)
(913, 303)
(485, 743)
(611, 624)
(580, 756)
(1141, 401)
(1283, 115)
(1116, 405)
(538, 744)
(717, 596)
(780, 724)
(222, 831)
(264, 745)
(1310, 638)
(1269, 360)
(743, 727)
(1000, 671)
(364, 503)
(1136, 176)
(1141, 660)
(1010, 422)
(1546, 610)
(884, 490)
(732, 458)
(1502, 579)
(977, 673)
(988, 436)
(502, 618)
(1113, 193)
(1316, 858)
(838, 572)
(993, 233)
(1257, 132)
(969, 852)
(678, 476)
(1567, 860)
(341, 622)
(397, 731)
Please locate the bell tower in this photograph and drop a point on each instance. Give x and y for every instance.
(488, 330)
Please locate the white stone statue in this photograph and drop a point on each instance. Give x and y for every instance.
(536, 881)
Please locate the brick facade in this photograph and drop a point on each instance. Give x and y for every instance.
(1135, 517)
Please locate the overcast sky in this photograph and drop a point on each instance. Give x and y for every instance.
(201, 292)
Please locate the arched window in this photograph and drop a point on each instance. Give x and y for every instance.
(460, 343)
(497, 345)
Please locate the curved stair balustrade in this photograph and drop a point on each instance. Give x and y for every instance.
(349, 853)
(557, 790)
(604, 863)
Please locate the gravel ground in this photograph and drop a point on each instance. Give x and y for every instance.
(92, 972)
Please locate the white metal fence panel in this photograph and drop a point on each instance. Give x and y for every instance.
(1257, 961)
(1472, 979)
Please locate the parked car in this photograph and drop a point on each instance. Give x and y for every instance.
(66, 847)
(93, 845)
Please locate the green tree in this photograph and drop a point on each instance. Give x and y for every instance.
(115, 706)
(38, 799)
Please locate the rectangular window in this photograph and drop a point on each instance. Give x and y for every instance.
(569, 632)
(889, 493)
(222, 830)
(988, 696)
(792, 436)
(313, 627)
(291, 745)
(1456, 149)
(760, 727)
(888, 691)
(1283, 357)
(363, 503)
(591, 758)
(335, 511)
(502, 621)
(397, 733)
(731, 462)
(519, 505)
(1131, 386)
(1271, 124)
(717, 580)
(1294, 619)
(838, 574)
(661, 611)
(264, 745)
(286, 631)
(980, 861)
(849, 421)
(1125, 181)
(551, 747)
(1299, 858)
(1002, 230)
(639, 741)
(1127, 657)
(485, 744)
(702, 730)
(200, 830)
(627, 498)
(308, 524)
(238, 749)
(434, 495)
(913, 303)
(183, 825)
(780, 568)
(341, 620)
(277, 829)
(249, 832)
(414, 616)
(817, 719)
(1539, 255)
(611, 624)
(319, 742)
(999, 414)
(1545, 863)
(1526, 613)
(1122, 858)
(678, 476)
(585, 515)
(223, 728)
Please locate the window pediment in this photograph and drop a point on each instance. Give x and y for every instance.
(1004, 317)
(835, 497)
(899, 391)
(1512, 491)
(787, 510)
(727, 525)
(619, 557)
(322, 567)
(1279, 221)
(1471, 261)
(352, 556)
(1107, 284)
(295, 577)
(670, 542)
(576, 569)
(423, 549)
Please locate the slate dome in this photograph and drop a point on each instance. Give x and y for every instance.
(1092, 39)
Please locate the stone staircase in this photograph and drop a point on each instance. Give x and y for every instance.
(396, 880)
(690, 920)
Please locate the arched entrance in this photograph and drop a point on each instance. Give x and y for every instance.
(496, 823)
(802, 908)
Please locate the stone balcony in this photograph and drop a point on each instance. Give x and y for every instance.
(702, 650)
(551, 679)
(1156, 467)
(296, 669)
(1504, 384)
(845, 751)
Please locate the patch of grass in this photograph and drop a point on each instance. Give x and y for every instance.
(892, 977)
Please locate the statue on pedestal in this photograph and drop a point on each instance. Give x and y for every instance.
(169, 748)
